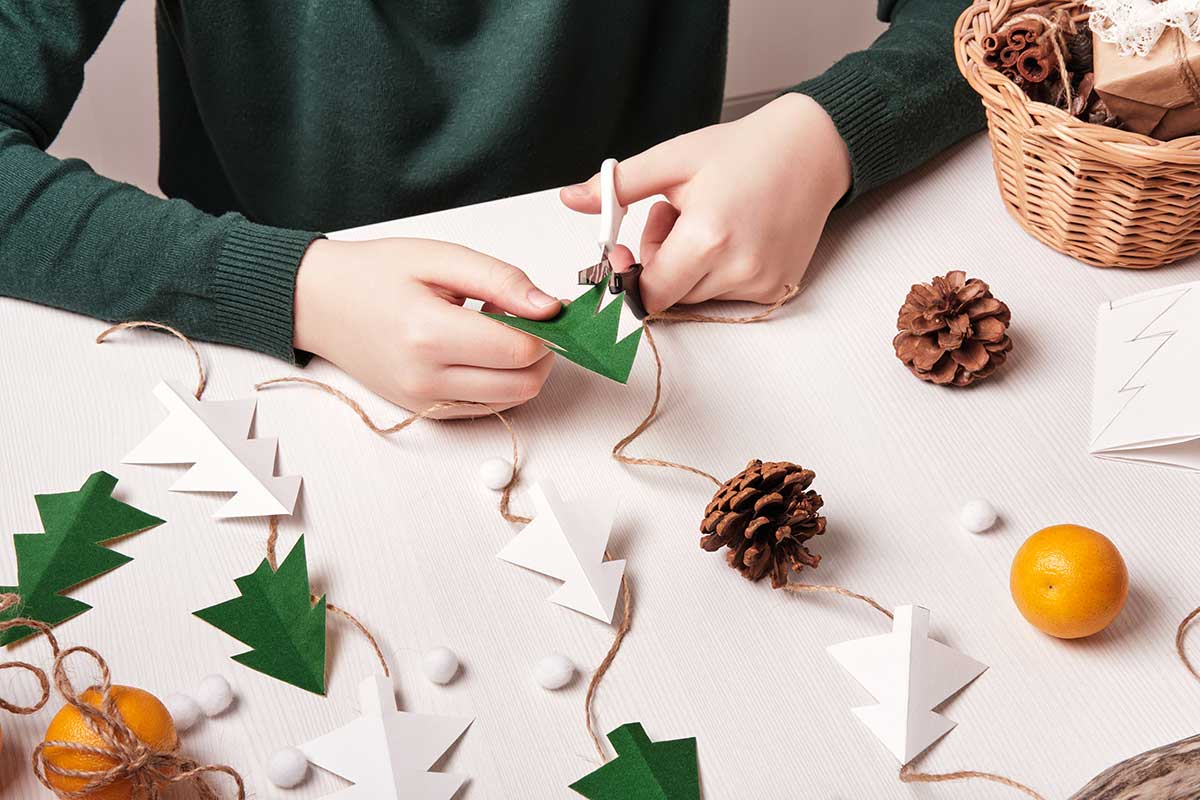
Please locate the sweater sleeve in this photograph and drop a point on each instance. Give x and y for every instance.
(902, 100)
(73, 239)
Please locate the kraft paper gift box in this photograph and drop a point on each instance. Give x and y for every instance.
(1150, 94)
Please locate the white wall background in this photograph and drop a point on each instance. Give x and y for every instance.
(773, 43)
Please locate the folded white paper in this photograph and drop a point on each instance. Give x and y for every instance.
(213, 437)
(1144, 406)
(910, 675)
(567, 542)
(387, 753)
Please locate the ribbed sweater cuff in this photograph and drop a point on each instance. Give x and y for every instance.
(860, 112)
(255, 286)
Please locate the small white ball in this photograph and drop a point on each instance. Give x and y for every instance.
(495, 473)
(554, 671)
(214, 694)
(287, 768)
(183, 710)
(440, 665)
(977, 515)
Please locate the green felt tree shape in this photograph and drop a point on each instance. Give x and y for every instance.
(581, 334)
(70, 551)
(277, 617)
(644, 770)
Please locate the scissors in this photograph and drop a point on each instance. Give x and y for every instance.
(612, 214)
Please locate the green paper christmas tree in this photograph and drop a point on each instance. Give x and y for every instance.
(581, 334)
(70, 551)
(276, 616)
(644, 770)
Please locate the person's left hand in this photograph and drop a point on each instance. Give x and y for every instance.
(747, 202)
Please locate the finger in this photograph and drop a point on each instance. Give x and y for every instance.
(470, 339)
(483, 278)
(659, 223)
(654, 171)
(621, 258)
(496, 386)
(765, 295)
(677, 268)
(469, 412)
(710, 287)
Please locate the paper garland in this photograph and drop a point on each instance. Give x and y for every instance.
(277, 617)
(644, 770)
(69, 552)
(910, 675)
(212, 436)
(386, 753)
(586, 333)
(567, 542)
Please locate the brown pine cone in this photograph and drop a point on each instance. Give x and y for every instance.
(952, 331)
(764, 515)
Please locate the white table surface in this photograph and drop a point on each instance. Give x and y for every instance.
(400, 532)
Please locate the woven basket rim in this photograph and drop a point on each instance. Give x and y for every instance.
(1185, 149)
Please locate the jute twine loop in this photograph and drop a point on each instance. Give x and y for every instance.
(1181, 632)
(201, 378)
(146, 770)
(910, 775)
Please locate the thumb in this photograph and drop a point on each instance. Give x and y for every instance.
(499, 285)
(654, 171)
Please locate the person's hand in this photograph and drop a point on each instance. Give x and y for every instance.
(389, 312)
(747, 202)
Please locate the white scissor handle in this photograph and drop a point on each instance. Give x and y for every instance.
(611, 212)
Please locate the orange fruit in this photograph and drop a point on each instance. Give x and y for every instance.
(143, 713)
(1069, 581)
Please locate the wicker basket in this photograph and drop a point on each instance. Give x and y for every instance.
(1108, 197)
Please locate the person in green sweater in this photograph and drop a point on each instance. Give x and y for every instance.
(280, 119)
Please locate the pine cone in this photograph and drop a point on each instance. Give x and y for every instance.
(952, 330)
(764, 515)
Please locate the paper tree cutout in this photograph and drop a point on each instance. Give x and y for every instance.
(387, 753)
(644, 770)
(567, 542)
(910, 675)
(69, 552)
(277, 617)
(1143, 401)
(585, 333)
(212, 436)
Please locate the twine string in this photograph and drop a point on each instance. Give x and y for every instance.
(909, 775)
(1180, 633)
(145, 770)
(201, 378)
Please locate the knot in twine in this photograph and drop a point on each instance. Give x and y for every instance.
(145, 769)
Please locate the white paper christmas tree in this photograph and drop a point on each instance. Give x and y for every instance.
(909, 675)
(387, 753)
(1144, 395)
(567, 542)
(213, 437)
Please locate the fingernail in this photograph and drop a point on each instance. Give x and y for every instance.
(576, 190)
(539, 298)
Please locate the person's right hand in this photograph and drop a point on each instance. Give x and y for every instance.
(389, 312)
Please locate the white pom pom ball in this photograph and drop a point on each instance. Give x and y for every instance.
(495, 473)
(554, 671)
(287, 768)
(214, 694)
(183, 710)
(977, 515)
(440, 665)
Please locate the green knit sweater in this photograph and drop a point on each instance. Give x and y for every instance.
(283, 118)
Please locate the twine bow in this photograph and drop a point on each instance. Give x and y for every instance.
(145, 769)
